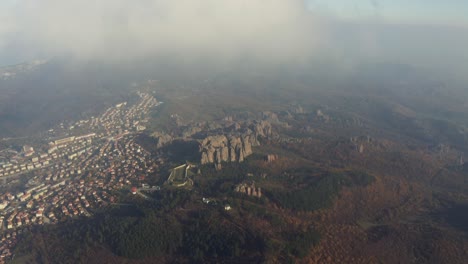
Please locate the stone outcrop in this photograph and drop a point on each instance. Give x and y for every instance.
(297, 109)
(190, 131)
(322, 116)
(270, 116)
(162, 139)
(226, 140)
(262, 129)
(271, 158)
(249, 189)
(234, 145)
(360, 143)
(221, 148)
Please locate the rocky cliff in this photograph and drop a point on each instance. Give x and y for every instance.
(216, 149)
(234, 146)
(162, 139)
(222, 141)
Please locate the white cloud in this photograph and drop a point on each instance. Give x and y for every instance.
(269, 29)
(261, 30)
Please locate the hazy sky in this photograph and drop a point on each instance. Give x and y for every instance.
(419, 31)
(452, 12)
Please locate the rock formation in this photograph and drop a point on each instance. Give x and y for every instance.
(162, 138)
(262, 129)
(297, 109)
(249, 189)
(220, 148)
(270, 116)
(234, 145)
(271, 158)
(221, 141)
(190, 131)
(321, 116)
(361, 148)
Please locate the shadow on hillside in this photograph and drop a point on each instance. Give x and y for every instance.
(456, 216)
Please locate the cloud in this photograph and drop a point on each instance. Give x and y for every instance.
(267, 29)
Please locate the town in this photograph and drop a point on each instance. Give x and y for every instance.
(75, 173)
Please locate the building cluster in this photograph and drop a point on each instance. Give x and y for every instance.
(69, 148)
(78, 173)
(19, 165)
(7, 243)
(120, 118)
